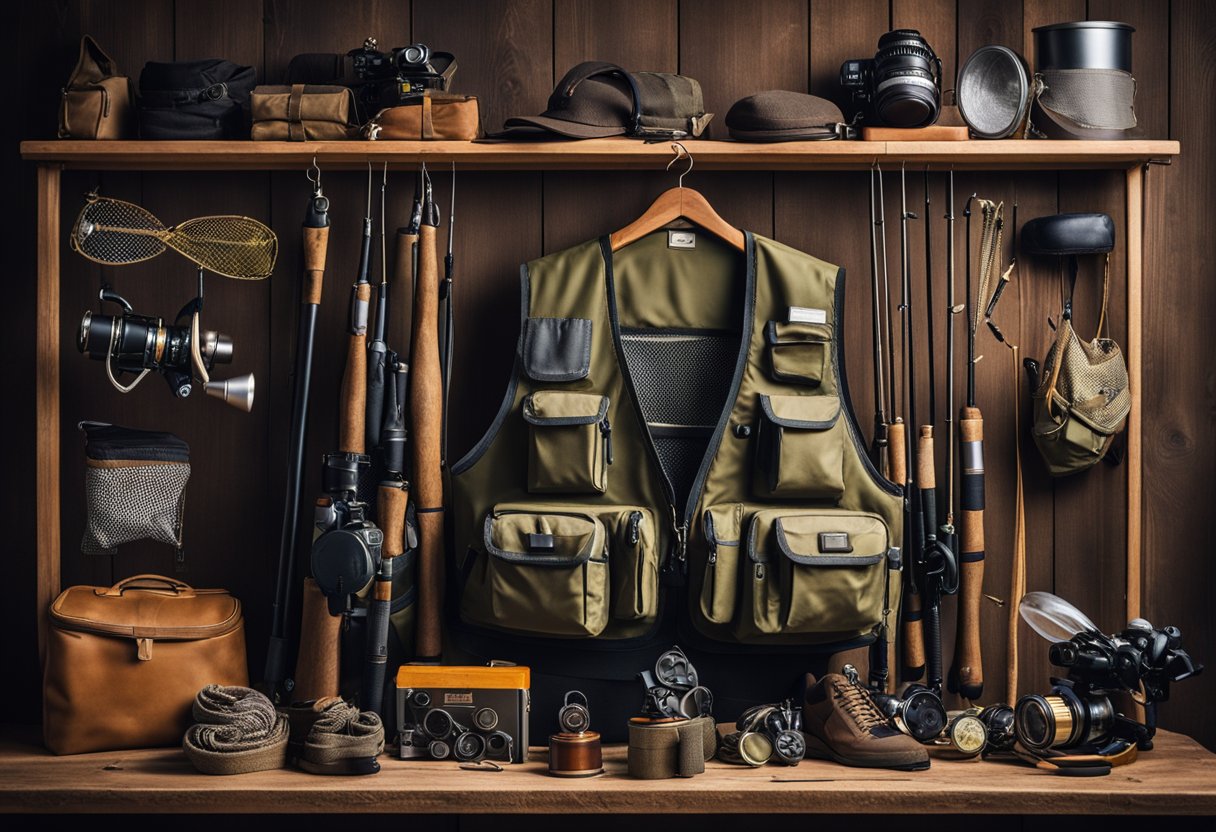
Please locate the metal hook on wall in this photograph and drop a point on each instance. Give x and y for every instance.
(681, 150)
(314, 176)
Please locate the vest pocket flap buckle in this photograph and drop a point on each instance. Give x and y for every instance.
(800, 449)
(570, 442)
(557, 349)
(542, 538)
(798, 353)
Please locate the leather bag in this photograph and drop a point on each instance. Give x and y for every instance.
(96, 101)
(124, 663)
(301, 112)
(430, 117)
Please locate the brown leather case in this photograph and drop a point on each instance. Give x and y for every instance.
(96, 102)
(124, 664)
(302, 112)
(432, 117)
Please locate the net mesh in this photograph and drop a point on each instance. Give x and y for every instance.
(1095, 98)
(682, 381)
(1093, 379)
(115, 232)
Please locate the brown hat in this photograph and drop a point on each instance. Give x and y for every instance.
(784, 116)
(603, 105)
(596, 99)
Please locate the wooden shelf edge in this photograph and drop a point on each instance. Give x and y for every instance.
(611, 154)
(1177, 778)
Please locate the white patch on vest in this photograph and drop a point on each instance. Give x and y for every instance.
(681, 239)
(806, 315)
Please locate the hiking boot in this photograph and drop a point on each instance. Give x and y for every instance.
(842, 723)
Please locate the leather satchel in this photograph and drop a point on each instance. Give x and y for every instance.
(96, 102)
(124, 664)
(435, 116)
(301, 112)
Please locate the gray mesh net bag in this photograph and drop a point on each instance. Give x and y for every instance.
(135, 482)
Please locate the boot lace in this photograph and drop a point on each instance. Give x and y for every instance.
(857, 703)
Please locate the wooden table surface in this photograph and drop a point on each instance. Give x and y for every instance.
(1178, 777)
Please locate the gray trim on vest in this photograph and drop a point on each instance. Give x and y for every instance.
(783, 544)
(557, 349)
(800, 424)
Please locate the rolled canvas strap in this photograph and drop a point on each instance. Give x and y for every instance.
(295, 124)
(237, 730)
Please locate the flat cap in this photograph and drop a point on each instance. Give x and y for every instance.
(784, 116)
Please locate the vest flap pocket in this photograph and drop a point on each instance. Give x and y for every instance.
(799, 353)
(722, 526)
(800, 447)
(545, 573)
(541, 538)
(557, 349)
(570, 442)
(633, 550)
(815, 572)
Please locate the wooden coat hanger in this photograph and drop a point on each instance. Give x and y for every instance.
(678, 203)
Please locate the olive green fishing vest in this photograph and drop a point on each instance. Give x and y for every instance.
(677, 429)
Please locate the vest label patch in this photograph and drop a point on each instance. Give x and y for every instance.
(806, 315)
(681, 239)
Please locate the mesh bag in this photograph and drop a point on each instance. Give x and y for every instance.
(1082, 399)
(134, 485)
(1100, 99)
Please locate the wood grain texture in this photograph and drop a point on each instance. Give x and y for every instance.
(842, 29)
(639, 35)
(229, 29)
(1150, 50)
(505, 49)
(293, 27)
(1180, 381)
(1176, 778)
(47, 484)
(937, 21)
(721, 39)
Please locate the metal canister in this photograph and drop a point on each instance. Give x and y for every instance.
(576, 755)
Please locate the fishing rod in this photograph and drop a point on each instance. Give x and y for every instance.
(426, 416)
(878, 449)
(967, 673)
(352, 437)
(947, 532)
(315, 234)
(914, 537)
(377, 350)
(392, 495)
(446, 316)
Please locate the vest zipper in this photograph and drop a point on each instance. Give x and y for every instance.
(681, 549)
(606, 431)
(633, 532)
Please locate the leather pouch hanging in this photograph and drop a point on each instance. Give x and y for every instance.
(435, 116)
(96, 101)
(303, 112)
(123, 663)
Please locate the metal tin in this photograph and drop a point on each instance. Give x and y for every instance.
(1084, 44)
(993, 92)
(575, 755)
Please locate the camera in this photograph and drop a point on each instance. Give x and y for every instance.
(901, 86)
(347, 548)
(467, 714)
(1140, 660)
(385, 79)
(138, 344)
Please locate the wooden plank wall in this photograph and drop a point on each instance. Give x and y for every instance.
(511, 52)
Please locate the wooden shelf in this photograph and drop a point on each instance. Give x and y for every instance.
(615, 154)
(1178, 777)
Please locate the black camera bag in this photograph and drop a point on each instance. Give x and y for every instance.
(206, 99)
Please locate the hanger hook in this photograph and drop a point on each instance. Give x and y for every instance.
(681, 150)
(314, 176)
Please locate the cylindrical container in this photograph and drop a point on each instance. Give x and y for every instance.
(575, 755)
(1084, 44)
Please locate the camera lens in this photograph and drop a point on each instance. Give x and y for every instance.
(906, 83)
(498, 743)
(439, 750)
(437, 723)
(469, 746)
(420, 699)
(924, 715)
(413, 55)
(486, 719)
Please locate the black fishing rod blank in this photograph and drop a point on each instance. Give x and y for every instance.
(947, 530)
(316, 243)
(377, 350)
(446, 317)
(878, 448)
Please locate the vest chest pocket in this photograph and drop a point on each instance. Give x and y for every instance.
(814, 572)
(570, 442)
(800, 447)
(545, 572)
(799, 353)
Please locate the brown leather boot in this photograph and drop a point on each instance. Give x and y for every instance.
(842, 723)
